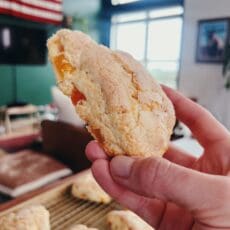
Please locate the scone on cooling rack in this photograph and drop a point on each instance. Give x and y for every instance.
(126, 220)
(125, 109)
(29, 218)
(85, 187)
(81, 227)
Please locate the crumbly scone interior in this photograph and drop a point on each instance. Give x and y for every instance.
(122, 104)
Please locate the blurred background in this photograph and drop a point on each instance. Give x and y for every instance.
(183, 43)
(162, 34)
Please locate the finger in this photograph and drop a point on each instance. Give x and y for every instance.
(150, 210)
(180, 157)
(161, 179)
(153, 211)
(202, 124)
(93, 151)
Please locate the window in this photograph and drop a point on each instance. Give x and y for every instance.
(152, 37)
(116, 2)
(135, 35)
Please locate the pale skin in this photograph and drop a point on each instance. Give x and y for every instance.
(178, 191)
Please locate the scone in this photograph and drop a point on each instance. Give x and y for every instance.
(124, 107)
(85, 187)
(31, 218)
(126, 220)
(81, 227)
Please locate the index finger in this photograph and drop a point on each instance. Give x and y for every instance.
(94, 152)
(203, 125)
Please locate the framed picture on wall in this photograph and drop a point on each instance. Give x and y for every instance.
(212, 38)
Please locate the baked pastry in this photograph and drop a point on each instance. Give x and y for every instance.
(85, 187)
(126, 220)
(30, 218)
(81, 227)
(124, 107)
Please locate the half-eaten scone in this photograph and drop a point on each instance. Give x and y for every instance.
(124, 107)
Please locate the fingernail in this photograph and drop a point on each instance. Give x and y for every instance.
(121, 166)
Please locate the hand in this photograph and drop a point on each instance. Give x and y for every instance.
(177, 191)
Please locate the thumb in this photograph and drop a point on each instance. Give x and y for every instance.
(162, 179)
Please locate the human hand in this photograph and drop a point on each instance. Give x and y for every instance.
(177, 191)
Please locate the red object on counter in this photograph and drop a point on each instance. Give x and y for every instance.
(14, 143)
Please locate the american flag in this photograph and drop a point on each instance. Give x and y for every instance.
(45, 11)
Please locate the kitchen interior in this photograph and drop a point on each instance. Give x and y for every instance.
(184, 44)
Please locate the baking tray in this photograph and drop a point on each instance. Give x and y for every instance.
(65, 210)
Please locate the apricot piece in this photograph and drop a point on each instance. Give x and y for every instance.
(76, 96)
(62, 65)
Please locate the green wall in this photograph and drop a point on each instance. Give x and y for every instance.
(33, 81)
(6, 90)
(33, 84)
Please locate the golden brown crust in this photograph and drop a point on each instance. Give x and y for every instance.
(81, 227)
(30, 218)
(125, 108)
(85, 187)
(126, 220)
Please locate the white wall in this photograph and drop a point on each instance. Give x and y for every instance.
(203, 81)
